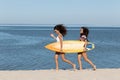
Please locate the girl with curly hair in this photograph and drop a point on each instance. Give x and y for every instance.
(61, 31)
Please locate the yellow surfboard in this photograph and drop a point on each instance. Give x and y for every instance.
(70, 46)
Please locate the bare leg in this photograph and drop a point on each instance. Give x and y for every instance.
(88, 60)
(56, 61)
(79, 61)
(67, 61)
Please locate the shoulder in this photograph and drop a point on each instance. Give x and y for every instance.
(60, 36)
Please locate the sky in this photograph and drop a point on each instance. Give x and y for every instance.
(86, 12)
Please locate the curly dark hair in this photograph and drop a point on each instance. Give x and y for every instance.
(85, 31)
(61, 28)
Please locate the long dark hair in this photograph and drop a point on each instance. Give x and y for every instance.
(61, 28)
(85, 31)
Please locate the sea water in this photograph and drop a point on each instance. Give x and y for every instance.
(22, 47)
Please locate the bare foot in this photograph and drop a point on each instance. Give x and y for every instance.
(74, 67)
(94, 67)
(57, 69)
(80, 68)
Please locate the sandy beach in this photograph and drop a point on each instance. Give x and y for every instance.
(87, 74)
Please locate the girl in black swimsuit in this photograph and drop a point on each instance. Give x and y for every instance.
(83, 37)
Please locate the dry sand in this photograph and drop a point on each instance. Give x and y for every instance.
(87, 74)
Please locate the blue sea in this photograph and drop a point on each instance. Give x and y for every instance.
(22, 47)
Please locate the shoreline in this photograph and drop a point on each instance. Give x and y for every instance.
(52, 74)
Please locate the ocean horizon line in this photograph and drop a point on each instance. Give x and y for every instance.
(49, 25)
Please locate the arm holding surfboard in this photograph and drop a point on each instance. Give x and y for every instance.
(61, 42)
(85, 45)
(58, 39)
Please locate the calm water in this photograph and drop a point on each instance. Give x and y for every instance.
(22, 47)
